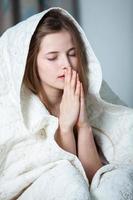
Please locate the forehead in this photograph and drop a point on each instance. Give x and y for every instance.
(59, 40)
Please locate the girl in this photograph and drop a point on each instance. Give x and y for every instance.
(56, 71)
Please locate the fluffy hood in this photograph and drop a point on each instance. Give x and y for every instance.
(14, 46)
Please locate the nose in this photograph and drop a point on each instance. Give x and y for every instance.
(65, 62)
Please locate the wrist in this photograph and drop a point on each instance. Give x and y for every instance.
(83, 125)
(84, 132)
(66, 130)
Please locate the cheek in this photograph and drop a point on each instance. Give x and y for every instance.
(46, 71)
(41, 70)
(74, 62)
(41, 66)
(43, 73)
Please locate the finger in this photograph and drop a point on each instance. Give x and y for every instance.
(77, 91)
(80, 83)
(82, 91)
(82, 98)
(73, 80)
(77, 76)
(67, 80)
(65, 75)
(68, 75)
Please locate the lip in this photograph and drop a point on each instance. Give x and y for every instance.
(62, 76)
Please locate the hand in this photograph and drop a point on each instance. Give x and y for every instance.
(69, 106)
(82, 120)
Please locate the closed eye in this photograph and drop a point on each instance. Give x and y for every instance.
(51, 59)
(72, 55)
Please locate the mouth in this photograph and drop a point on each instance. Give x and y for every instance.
(62, 76)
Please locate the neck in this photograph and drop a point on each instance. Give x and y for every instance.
(54, 100)
(54, 97)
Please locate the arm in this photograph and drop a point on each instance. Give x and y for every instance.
(87, 151)
(66, 140)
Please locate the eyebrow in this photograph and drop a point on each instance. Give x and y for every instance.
(73, 48)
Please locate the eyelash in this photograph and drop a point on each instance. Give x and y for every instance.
(55, 57)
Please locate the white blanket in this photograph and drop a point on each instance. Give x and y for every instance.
(32, 165)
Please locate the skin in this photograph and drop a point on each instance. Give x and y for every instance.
(57, 56)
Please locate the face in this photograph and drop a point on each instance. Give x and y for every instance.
(57, 52)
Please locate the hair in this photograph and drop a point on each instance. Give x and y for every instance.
(52, 22)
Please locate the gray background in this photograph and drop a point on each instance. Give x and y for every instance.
(109, 28)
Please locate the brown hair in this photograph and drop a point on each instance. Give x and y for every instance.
(52, 22)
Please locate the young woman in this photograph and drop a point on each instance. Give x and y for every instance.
(56, 71)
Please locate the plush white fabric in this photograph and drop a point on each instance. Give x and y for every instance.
(108, 95)
(32, 165)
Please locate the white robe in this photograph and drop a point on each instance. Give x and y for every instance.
(32, 164)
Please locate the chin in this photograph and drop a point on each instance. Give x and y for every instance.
(58, 87)
(61, 88)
